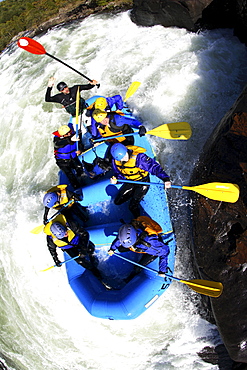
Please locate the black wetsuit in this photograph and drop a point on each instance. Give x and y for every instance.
(68, 100)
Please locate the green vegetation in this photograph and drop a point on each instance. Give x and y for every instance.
(19, 15)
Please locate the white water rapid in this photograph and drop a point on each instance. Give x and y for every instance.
(184, 77)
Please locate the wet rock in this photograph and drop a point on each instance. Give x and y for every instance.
(193, 14)
(217, 356)
(166, 13)
(220, 228)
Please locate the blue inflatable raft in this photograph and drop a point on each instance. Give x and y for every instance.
(112, 298)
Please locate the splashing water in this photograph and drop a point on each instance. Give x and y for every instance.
(184, 77)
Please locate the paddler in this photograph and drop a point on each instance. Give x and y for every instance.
(61, 199)
(66, 154)
(67, 95)
(102, 104)
(131, 163)
(106, 124)
(142, 235)
(71, 238)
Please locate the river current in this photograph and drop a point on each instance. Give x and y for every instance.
(184, 77)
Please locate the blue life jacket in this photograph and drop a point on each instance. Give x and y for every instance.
(67, 152)
(73, 243)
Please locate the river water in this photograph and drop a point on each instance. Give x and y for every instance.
(184, 77)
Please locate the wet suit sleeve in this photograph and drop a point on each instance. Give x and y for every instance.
(149, 164)
(53, 250)
(54, 99)
(45, 217)
(85, 87)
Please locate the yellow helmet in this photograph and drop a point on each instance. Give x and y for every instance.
(100, 103)
(99, 115)
(63, 130)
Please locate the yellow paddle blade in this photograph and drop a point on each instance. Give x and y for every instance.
(172, 131)
(131, 90)
(206, 287)
(37, 229)
(48, 268)
(225, 192)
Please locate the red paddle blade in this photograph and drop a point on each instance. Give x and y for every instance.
(31, 45)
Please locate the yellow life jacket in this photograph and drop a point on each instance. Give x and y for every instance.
(106, 131)
(63, 195)
(150, 226)
(62, 220)
(129, 169)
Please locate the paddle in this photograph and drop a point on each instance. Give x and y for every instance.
(40, 228)
(221, 191)
(51, 267)
(170, 131)
(206, 287)
(34, 47)
(131, 90)
(77, 116)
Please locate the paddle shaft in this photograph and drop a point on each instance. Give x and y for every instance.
(142, 182)
(220, 193)
(114, 137)
(135, 263)
(61, 209)
(76, 118)
(73, 69)
(149, 183)
(70, 259)
(144, 267)
(161, 131)
(207, 290)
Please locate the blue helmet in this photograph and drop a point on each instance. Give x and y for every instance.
(127, 235)
(118, 151)
(50, 199)
(58, 230)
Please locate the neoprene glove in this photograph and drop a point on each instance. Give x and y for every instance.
(57, 262)
(142, 131)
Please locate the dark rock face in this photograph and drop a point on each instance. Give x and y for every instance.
(193, 14)
(166, 13)
(220, 228)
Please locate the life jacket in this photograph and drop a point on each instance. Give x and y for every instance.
(72, 238)
(148, 227)
(66, 152)
(129, 169)
(111, 130)
(63, 195)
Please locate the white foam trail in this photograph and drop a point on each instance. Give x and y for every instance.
(185, 77)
